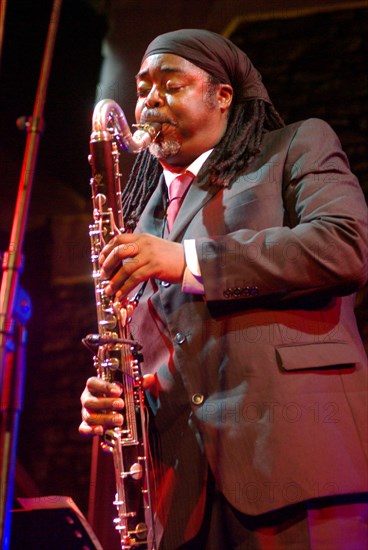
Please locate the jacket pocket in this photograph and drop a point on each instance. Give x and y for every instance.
(317, 356)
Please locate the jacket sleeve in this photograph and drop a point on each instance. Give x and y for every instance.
(321, 246)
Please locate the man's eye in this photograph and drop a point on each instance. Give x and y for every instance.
(172, 87)
(143, 92)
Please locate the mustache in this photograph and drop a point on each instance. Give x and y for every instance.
(153, 115)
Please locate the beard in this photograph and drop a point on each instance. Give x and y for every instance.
(168, 142)
(164, 149)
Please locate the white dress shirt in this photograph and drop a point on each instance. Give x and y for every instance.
(192, 280)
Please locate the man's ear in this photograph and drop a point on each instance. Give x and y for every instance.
(225, 95)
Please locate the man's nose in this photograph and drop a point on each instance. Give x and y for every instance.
(154, 98)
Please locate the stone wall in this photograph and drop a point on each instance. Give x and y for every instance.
(314, 66)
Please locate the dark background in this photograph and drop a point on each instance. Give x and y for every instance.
(72, 85)
(313, 64)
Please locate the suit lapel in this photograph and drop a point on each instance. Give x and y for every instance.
(153, 218)
(197, 196)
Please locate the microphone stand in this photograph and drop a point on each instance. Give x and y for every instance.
(12, 333)
(2, 25)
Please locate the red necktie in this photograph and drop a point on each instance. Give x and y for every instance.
(177, 191)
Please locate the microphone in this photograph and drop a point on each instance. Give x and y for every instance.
(102, 339)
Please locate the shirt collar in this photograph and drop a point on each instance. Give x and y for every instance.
(193, 168)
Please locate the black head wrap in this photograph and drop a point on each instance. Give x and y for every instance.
(216, 55)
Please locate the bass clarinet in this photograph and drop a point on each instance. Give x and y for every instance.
(117, 356)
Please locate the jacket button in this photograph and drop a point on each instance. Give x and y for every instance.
(180, 338)
(253, 291)
(197, 399)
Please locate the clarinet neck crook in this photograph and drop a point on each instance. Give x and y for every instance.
(109, 123)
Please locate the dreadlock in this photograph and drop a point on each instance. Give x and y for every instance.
(235, 152)
(241, 141)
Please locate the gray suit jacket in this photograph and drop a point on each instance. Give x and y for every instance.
(264, 377)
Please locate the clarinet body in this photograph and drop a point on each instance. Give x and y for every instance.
(117, 357)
